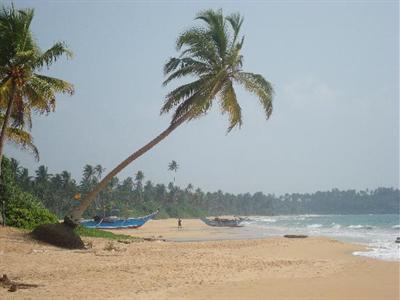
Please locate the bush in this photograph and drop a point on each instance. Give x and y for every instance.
(21, 208)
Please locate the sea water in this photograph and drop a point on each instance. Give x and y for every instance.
(377, 232)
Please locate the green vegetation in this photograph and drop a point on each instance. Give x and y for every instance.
(136, 196)
(211, 55)
(88, 232)
(22, 209)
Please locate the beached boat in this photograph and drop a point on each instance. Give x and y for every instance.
(117, 223)
(222, 222)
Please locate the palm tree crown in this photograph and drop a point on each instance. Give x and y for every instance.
(211, 55)
(22, 89)
(173, 166)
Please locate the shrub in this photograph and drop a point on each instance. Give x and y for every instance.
(21, 208)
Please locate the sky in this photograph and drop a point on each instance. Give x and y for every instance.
(334, 67)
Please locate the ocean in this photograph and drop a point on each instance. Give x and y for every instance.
(377, 232)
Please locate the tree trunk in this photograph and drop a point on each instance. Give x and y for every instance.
(3, 135)
(77, 211)
(3, 138)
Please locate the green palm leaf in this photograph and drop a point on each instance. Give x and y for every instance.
(257, 85)
(230, 105)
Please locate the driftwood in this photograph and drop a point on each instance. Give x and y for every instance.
(13, 286)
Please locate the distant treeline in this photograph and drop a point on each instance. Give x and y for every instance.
(134, 196)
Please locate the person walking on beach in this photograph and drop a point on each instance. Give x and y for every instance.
(179, 223)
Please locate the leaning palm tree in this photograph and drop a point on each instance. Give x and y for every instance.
(22, 88)
(173, 167)
(211, 54)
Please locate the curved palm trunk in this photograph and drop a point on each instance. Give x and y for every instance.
(3, 136)
(76, 212)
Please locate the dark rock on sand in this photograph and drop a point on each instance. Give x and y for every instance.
(61, 235)
(295, 236)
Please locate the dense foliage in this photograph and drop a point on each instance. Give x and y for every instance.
(135, 196)
(22, 209)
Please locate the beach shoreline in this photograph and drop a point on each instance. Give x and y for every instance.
(275, 268)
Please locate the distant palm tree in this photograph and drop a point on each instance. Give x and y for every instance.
(99, 170)
(88, 176)
(211, 55)
(42, 174)
(22, 89)
(139, 177)
(189, 188)
(24, 179)
(15, 167)
(66, 177)
(173, 166)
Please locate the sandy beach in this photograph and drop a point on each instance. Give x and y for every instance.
(270, 268)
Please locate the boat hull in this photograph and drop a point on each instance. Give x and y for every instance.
(118, 224)
(225, 223)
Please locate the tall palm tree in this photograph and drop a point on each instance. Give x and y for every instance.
(173, 167)
(211, 55)
(139, 177)
(22, 88)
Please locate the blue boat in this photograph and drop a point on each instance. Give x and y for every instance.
(117, 223)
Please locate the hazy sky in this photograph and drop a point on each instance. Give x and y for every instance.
(334, 67)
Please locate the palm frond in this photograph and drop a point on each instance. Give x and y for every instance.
(198, 45)
(236, 22)
(186, 66)
(5, 91)
(182, 93)
(230, 105)
(23, 139)
(256, 84)
(217, 29)
(52, 54)
(57, 85)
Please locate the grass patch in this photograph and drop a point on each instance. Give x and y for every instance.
(92, 232)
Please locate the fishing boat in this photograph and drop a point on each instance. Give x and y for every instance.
(223, 222)
(116, 222)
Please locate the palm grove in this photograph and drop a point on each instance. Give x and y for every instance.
(137, 195)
